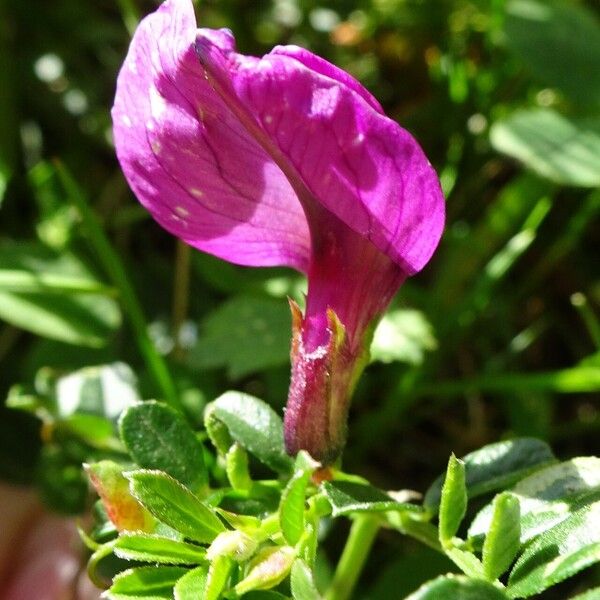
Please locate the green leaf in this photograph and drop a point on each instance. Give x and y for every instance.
(560, 42)
(402, 335)
(347, 497)
(173, 504)
(158, 437)
(453, 503)
(145, 583)
(302, 582)
(245, 334)
(236, 465)
(502, 539)
(564, 149)
(293, 499)
(496, 466)
(218, 573)
(61, 298)
(265, 595)
(558, 553)
(254, 425)
(191, 585)
(452, 587)
(548, 496)
(157, 549)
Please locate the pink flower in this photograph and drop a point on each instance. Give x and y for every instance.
(280, 160)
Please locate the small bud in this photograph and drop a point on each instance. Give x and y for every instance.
(235, 544)
(270, 567)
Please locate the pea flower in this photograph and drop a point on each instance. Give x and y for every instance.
(281, 160)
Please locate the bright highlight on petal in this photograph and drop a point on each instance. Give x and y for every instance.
(280, 160)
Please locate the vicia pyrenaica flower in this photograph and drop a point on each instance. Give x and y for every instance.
(280, 160)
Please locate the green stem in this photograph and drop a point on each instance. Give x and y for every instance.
(114, 267)
(362, 534)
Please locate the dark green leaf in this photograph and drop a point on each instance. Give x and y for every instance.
(560, 42)
(502, 539)
(496, 466)
(153, 548)
(191, 585)
(145, 583)
(245, 334)
(347, 497)
(558, 553)
(254, 425)
(158, 437)
(174, 505)
(548, 496)
(565, 150)
(453, 503)
(451, 587)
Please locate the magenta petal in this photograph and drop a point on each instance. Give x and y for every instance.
(319, 65)
(188, 159)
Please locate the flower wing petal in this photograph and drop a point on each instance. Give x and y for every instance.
(188, 159)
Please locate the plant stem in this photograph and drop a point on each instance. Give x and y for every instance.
(358, 545)
(111, 262)
(181, 294)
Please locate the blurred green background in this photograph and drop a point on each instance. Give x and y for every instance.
(497, 337)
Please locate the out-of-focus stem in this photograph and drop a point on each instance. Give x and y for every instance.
(181, 293)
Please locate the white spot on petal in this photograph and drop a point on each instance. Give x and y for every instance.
(196, 192)
(156, 147)
(126, 121)
(268, 119)
(182, 211)
(158, 104)
(325, 101)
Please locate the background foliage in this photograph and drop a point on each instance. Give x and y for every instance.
(497, 338)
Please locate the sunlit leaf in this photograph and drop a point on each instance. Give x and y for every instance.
(564, 149)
